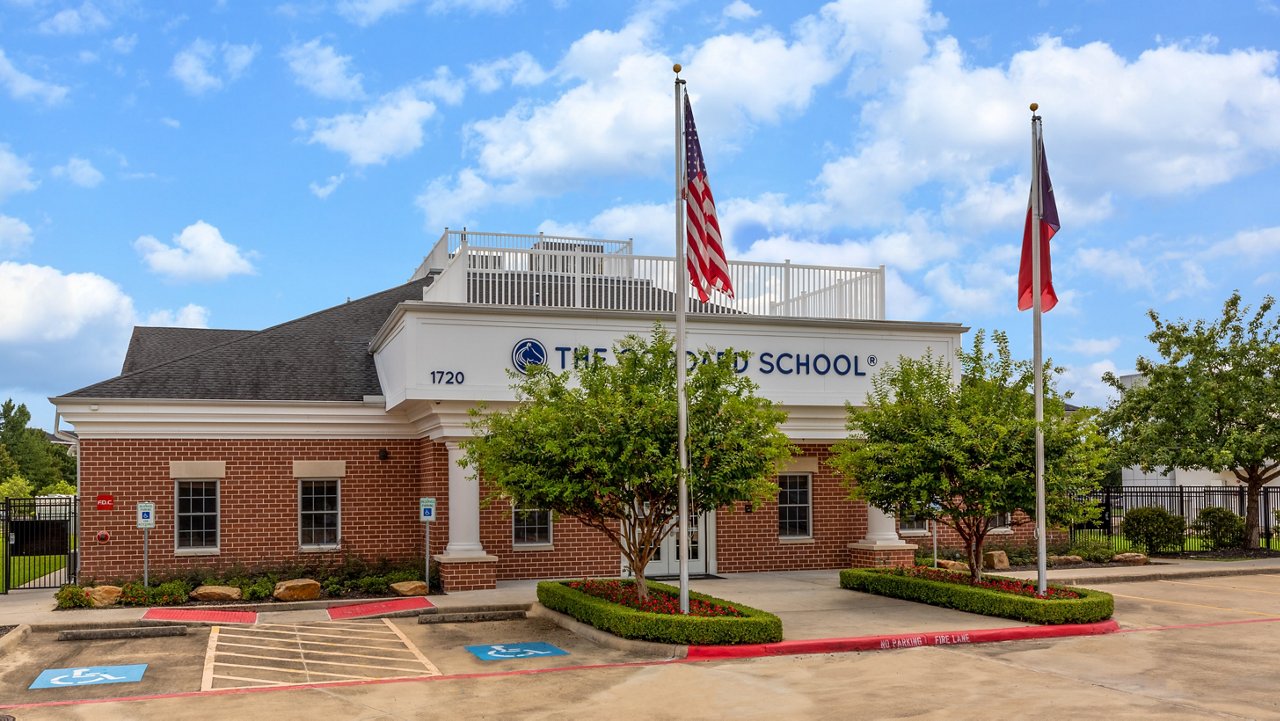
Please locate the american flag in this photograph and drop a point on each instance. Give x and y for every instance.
(708, 268)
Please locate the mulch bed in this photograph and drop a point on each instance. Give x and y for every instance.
(6, 629)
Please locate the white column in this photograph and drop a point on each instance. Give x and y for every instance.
(464, 508)
(882, 529)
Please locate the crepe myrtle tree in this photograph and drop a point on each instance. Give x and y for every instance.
(1212, 401)
(965, 453)
(598, 442)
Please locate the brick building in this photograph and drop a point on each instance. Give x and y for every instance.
(314, 439)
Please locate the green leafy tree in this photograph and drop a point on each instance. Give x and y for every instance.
(965, 453)
(1212, 401)
(598, 443)
(30, 448)
(61, 488)
(16, 486)
(8, 467)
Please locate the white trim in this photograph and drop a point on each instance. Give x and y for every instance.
(217, 499)
(319, 547)
(175, 418)
(808, 494)
(550, 542)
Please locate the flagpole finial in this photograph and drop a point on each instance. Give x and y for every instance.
(1035, 107)
(676, 68)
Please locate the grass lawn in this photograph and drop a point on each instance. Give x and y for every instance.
(24, 569)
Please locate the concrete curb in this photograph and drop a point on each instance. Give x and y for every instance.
(13, 638)
(1159, 576)
(604, 638)
(896, 641)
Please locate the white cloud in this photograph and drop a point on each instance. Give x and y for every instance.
(74, 21)
(320, 69)
(443, 85)
(1119, 265)
(324, 191)
(390, 128)
(198, 253)
(739, 10)
(24, 87)
(367, 12)
(124, 44)
(1095, 346)
(15, 236)
(651, 227)
(196, 65)
(453, 202)
(171, 122)
(520, 69)
(1192, 281)
(1252, 244)
(188, 316)
(973, 288)
(79, 171)
(1085, 383)
(60, 331)
(15, 173)
(496, 7)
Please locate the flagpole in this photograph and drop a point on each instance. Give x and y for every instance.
(682, 301)
(1037, 204)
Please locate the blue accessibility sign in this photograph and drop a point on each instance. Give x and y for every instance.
(505, 651)
(89, 676)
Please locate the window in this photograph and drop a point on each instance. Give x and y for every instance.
(795, 507)
(318, 513)
(197, 516)
(530, 527)
(1002, 521)
(914, 525)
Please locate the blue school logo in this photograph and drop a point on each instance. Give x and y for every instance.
(528, 352)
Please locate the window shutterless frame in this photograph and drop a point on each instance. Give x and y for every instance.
(197, 517)
(319, 513)
(795, 505)
(530, 527)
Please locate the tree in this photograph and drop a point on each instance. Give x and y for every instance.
(39, 460)
(925, 446)
(1211, 402)
(8, 467)
(598, 443)
(15, 486)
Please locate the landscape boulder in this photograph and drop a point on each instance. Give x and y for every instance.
(1065, 560)
(995, 560)
(103, 596)
(299, 589)
(216, 593)
(1130, 559)
(958, 566)
(409, 588)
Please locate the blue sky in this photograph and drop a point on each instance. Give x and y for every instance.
(237, 164)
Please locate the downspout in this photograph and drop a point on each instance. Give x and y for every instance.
(57, 417)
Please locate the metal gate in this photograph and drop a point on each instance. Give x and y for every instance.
(40, 542)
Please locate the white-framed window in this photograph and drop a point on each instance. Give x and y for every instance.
(913, 526)
(319, 512)
(196, 521)
(1002, 523)
(530, 527)
(795, 505)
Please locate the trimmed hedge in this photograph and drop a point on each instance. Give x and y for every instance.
(1092, 606)
(754, 626)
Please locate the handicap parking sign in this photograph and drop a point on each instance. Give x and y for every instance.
(89, 676)
(506, 651)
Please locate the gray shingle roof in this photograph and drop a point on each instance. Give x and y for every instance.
(152, 346)
(320, 357)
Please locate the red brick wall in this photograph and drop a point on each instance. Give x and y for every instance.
(749, 541)
(577, 551)
(258, 501)
(1022, 534)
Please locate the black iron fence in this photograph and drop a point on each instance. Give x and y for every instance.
(1185, 501)
(39, 542)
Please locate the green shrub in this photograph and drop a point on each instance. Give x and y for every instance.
(1093, 550)
(135, 594)
(1220, 527)
(1154, 529)
(72, 596)
(257, 589)
(754, 626)
(1091, 607)
(169, 593)
(372, 584)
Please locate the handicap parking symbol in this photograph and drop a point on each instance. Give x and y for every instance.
(88, 676)
(505, 651)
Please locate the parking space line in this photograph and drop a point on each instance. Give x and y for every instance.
(206, 677)
(306, 672)
(315, 653)
(312, 643)
(322, 635)
(1193, 605)
(1220, 587)
(410, 645)
(308, 662)
(260, 682)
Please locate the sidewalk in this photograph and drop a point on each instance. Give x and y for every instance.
(810, 603)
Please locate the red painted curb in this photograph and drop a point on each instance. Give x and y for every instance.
(199, 615)
(905, 640)
(337, 613)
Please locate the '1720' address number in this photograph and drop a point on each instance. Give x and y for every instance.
(448, 378)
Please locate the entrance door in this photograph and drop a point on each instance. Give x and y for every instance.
(666, 562)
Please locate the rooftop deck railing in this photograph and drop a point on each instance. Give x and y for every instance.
(565, 272)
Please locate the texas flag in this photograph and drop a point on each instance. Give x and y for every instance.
(1048, 226)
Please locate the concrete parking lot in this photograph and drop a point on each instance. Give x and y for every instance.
(1189, 648)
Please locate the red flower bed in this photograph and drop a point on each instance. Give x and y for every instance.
(1004, 585)
(623, 593)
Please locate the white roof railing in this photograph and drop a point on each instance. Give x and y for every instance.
(566, 272)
